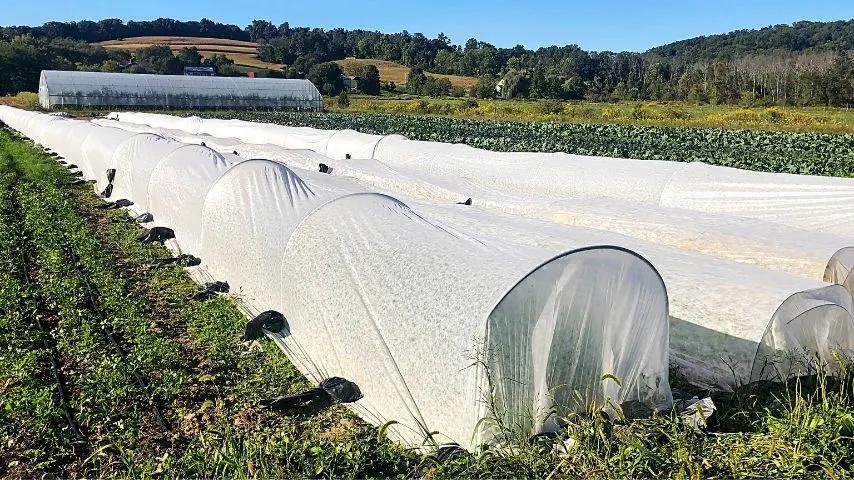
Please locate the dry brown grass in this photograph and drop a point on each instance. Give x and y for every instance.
(245, 59)
(11, 101)
(175, 48)
(22, 100)
(243, 53)
(187, 41)
(395, 72)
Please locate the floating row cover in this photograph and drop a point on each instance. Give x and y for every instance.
(840, 268)
(744, 240)
(722, 313)
(802, 201)
(428, 321)
(803, 220)
(62, 89)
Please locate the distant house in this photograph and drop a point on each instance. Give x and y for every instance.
(349, 83)
(499, 87)
(200, 71)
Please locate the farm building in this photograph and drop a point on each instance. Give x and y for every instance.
(59, 89)
(200, 71)
(348, 83)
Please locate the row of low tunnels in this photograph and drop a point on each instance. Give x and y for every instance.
(562, 271)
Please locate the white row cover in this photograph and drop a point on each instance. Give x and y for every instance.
(822, 204)
(439, 328)
(722, 313)
(790, 223)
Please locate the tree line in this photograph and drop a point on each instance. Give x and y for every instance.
(806, 63)
(23, 58)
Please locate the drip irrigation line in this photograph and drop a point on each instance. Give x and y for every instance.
(106, 329)
(49, 346)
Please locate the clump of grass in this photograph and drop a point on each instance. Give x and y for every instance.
(27, 100)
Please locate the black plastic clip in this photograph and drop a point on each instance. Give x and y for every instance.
(144, 218)
(156, 234)
(270, 320)
(210, 290)
(330, 391)
(184, 260)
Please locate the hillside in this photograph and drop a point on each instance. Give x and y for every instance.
(800, 64)
(243, 53)
(395, 72)
(798, 37)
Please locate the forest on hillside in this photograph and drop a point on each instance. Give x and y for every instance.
(806, 63)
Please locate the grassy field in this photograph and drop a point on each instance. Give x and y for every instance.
(26, 100)
(72, 277)
(243, 53)
(670, 114)
(395, 72)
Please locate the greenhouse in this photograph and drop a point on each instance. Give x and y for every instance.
(64, 89)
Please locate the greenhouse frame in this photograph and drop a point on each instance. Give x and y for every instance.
(61, 89)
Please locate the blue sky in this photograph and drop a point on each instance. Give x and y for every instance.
(594, 25)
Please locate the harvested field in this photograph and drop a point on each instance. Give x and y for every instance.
(395, 72)
(243, 53)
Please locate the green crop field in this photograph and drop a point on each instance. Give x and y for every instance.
(154, 384)
(669, 114)
(769, 151)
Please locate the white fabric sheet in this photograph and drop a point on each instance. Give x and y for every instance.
(404, 305)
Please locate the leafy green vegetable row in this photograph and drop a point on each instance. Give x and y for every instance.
(790, 152)
(104, 398)
(31, 419)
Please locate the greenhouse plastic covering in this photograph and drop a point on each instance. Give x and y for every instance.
(714, 338)
(60, 89)
(429, 321)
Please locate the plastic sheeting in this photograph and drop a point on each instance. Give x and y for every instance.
(419, 316)
(334, 305)
(428, 304)
(817, 317)
(248, 217)
(820, 204)
(59, 89)
(839, 268)
(97, 151)
(719, 310)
